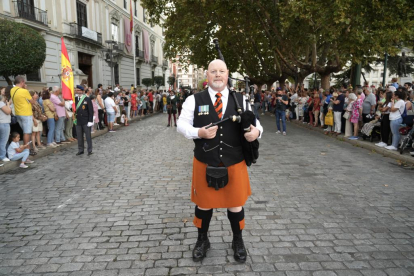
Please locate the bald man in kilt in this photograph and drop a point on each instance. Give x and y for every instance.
(218, 151)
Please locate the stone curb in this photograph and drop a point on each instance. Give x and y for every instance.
(402, 159)
(9, 166)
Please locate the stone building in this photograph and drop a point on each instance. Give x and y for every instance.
(87, 26)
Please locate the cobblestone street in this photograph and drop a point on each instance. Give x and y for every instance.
(319, 207)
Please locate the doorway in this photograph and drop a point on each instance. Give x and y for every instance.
(85, 65)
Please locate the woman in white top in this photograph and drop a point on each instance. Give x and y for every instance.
(111, 110)
(397, 107)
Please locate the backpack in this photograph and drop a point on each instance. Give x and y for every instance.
(404, 114)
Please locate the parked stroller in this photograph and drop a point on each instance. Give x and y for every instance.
(406, 138)
(371, 130)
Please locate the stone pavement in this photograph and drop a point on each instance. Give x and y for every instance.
(319, 207)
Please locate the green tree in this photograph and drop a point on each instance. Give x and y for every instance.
(158, 81)
(147, 82)
(278, 39)
(171, 80)
(22, 49)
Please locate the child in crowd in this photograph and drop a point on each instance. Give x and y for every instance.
(17, 151)
(124, 118)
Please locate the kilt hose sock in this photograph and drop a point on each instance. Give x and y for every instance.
(202, 219)
(236, 222)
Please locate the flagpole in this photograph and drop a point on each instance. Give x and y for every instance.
(134, 53)
(133, 44)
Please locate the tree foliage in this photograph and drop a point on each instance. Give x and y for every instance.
(22, 49)
(274, 40)
(171, 80)
(147, 82)
(158, 81)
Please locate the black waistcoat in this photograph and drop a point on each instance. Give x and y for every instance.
(226, 147)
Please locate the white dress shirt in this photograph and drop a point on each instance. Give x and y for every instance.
(186, 119)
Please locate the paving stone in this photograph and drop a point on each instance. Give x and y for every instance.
(301, 219)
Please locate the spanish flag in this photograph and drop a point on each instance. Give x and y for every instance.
(68, 92)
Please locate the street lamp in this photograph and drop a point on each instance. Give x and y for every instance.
(110, 52)
(384, 77)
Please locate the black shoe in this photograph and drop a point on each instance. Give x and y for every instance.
(79, 153)
(240, 254)
(201, 247)
(90, 153)
(168, 125)
(175, 125)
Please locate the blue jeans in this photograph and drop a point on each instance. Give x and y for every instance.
(281, 114)
(4, 136)
(23, 155)
(395, 129)
(51, 132)
(59, 127)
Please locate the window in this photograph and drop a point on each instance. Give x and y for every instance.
(143, 16)
(163, 79)
(138, 77)
(382, 75)
(153, 74)
(114, 32)
(137, 43)
(135, 9)
(116, 73)
(125, 4)
(34, 76)
(82, 14)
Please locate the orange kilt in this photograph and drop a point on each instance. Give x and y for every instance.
(235, 194)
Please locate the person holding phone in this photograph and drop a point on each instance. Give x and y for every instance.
(280, 110)
(17, 151)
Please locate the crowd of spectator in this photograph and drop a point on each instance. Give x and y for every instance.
(360, 112)
(29, 115)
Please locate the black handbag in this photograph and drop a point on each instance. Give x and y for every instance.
(217, 177)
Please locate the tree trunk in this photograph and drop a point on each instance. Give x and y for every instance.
(269, 86)
(325, 81)
(8, 80)
(259, 87)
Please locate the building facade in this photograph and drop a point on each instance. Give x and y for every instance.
(97, 37)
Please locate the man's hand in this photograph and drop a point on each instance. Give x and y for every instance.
(252, 135)
(90, 124)
(35, 123)
(207, 133)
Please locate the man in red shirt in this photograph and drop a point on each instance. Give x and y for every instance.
(151, 101)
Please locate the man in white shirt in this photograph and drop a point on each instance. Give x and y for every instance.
(217, 150)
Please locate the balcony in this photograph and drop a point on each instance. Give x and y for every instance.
(30, 12)
(139, 54)
(165, 63)
(154, 59)
(85, 34)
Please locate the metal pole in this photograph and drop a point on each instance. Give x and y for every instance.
(384, 77)
(134, 61)
(112, 67)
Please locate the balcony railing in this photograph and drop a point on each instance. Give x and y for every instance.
(154, 59)
(85, 34)
(139, 54)
(30, 12)
(165, 63)
(119, 47)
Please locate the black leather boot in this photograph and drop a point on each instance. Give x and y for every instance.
(240, 253)
(201, 247)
